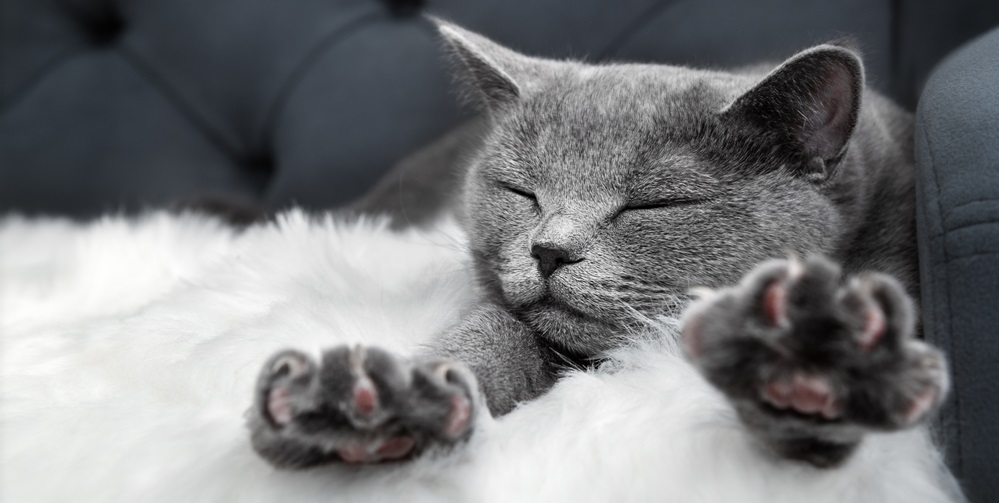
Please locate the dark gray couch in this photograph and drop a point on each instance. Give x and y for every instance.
(120, 104)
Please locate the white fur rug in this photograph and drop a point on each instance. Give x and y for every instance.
(130, 347)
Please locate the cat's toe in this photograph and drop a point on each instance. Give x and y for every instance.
(443, 401)
(283, 384)
(893, 372)
(461, 382)
(366, 384)
(917, 388)
(877, 310)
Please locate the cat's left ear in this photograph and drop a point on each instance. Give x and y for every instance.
(495, 76)
(812, 99)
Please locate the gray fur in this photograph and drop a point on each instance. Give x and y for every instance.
(601, 195)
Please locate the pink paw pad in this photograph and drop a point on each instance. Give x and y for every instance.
(691, 337)
(391, 448)
(354, 452)
(365, 396)
(461, 409)
(804, 394)
(775, 295)
(775, 303)
(396, 447)
(458, 418)
(279, 406)
(920, 406)
(874, 328)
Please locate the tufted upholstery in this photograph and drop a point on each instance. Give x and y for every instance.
(148, 100)
(107, 104)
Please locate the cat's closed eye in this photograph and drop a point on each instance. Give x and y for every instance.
(662, 204)
(521, 192)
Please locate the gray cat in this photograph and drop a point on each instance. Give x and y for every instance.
(600, 196)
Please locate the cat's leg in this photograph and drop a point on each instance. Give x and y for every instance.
(506, 357)
(366, 405)
(812, 360)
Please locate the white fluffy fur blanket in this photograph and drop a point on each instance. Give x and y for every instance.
(130, 347)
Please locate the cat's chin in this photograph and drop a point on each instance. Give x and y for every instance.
(568, 327)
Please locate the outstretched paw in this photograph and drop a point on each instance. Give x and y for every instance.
(811, 361)
(358, 405)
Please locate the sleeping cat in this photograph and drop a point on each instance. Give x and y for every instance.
(599, 199)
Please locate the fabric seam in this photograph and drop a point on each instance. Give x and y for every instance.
(302, 69)
(646, 18)
(945, 283)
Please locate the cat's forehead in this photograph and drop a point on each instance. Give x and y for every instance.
(620, 106)
(615, 122)
(634, 93)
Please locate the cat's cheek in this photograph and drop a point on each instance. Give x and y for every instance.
(521, 294)
(520, 281)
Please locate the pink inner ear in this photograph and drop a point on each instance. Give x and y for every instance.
(829, 127)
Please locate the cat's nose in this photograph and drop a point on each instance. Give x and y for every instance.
(550, 258)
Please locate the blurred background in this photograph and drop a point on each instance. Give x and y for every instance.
(124, 104)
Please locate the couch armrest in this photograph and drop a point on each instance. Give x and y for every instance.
(957, 159)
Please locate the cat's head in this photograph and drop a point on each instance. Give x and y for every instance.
(604, 193)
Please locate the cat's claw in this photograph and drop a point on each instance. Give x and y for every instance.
(358, 405)
(812, 362)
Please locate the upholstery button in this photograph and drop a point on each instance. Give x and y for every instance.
(259, 169)
(106, 29)
(405, 7)
(261, 163)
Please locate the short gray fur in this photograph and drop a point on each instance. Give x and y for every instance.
(599, 195)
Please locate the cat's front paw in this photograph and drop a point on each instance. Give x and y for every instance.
(358, 405)
(812, 360)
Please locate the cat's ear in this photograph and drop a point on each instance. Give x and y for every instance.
(812, 99)
(496, 76)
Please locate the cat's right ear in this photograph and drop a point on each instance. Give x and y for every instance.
(811, 100)
(494, 75)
